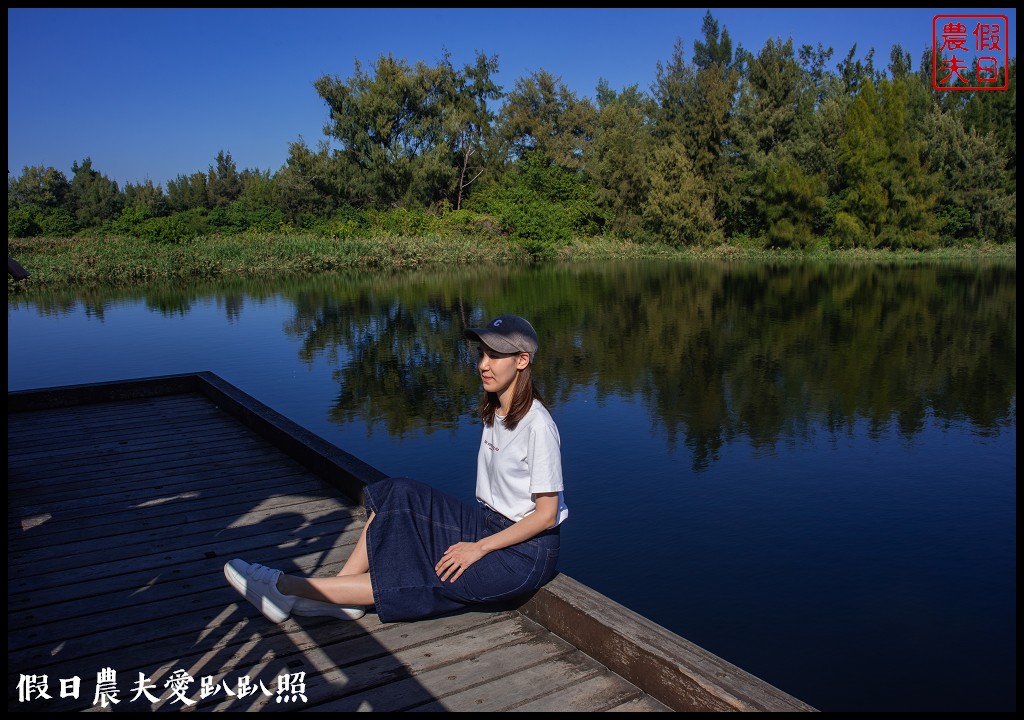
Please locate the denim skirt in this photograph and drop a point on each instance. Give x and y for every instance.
(412, 527)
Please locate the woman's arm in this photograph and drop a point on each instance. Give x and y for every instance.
(461, 555)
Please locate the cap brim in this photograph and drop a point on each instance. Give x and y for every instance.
(495, 341)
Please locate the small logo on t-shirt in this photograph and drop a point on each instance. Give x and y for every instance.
(491, 445)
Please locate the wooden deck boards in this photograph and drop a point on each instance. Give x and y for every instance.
(123, 508)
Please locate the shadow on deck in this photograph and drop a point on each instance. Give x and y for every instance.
(126, 499)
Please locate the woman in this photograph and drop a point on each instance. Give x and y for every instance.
(424, 553)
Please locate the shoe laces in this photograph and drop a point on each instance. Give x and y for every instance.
(261, 573)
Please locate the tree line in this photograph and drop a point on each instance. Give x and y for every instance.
(775, 148)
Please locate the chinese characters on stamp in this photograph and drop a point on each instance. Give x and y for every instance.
(970, 52)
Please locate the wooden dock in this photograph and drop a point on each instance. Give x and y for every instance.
(126, 499)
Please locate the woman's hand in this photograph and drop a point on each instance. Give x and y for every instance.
(456, 559)
(461, 555)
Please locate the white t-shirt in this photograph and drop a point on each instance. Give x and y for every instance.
(513, 465)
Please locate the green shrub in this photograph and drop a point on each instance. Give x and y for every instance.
(399, 221)
(175, 228)
(128, 223)
(848, 232)
(21, 223)
(345, 222)
(542, 205)
(955, 223)
(57, 222)
(241, 216)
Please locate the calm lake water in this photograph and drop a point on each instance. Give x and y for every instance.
(809, 470)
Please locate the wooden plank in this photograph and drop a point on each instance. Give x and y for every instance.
(65, 548)
(409, 651)
(105, 392)
(526, 683)
(164, 483)
(219, 501)
(62, 557)
(682, 675)
(121, 597)
(595, 694)
(644, 703)
(127, 572)
(428, 690)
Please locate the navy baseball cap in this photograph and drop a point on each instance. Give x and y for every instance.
(506, 334)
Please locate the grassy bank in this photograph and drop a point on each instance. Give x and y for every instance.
(119, 261)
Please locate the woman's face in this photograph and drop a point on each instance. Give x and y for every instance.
(498, 370)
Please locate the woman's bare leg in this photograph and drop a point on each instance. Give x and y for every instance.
(349, 587)
(358, 562)
(348, 590)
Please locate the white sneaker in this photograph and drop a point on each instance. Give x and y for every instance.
(316, 608)
(258, 584)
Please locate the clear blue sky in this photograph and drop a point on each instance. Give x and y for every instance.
(158, 93)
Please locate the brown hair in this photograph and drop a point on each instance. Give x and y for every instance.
(522, 399)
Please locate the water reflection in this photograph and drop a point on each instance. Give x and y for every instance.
(716, 351)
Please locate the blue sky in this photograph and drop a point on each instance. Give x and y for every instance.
(157, 93)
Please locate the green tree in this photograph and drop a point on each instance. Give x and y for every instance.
(854, 73)
(910, 188)
(862, 156)
(223, 183)
(391, 124)
(316, 183)
(542, 115)
(695, 101)
(146, 198)
(916, 87)
(828, 118)
(994, 115)
(258, 189)
(468, 123)
(774, 130)
(680, 206)
(21, 223)
(94, 196)
(769, 106)
(39, 202)
(812, 62)
(43, 187)
(887, 194)
(789, 204)
(379, 120)
(188, 192)
(835, 94)
(972, 201)
(621, 152)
